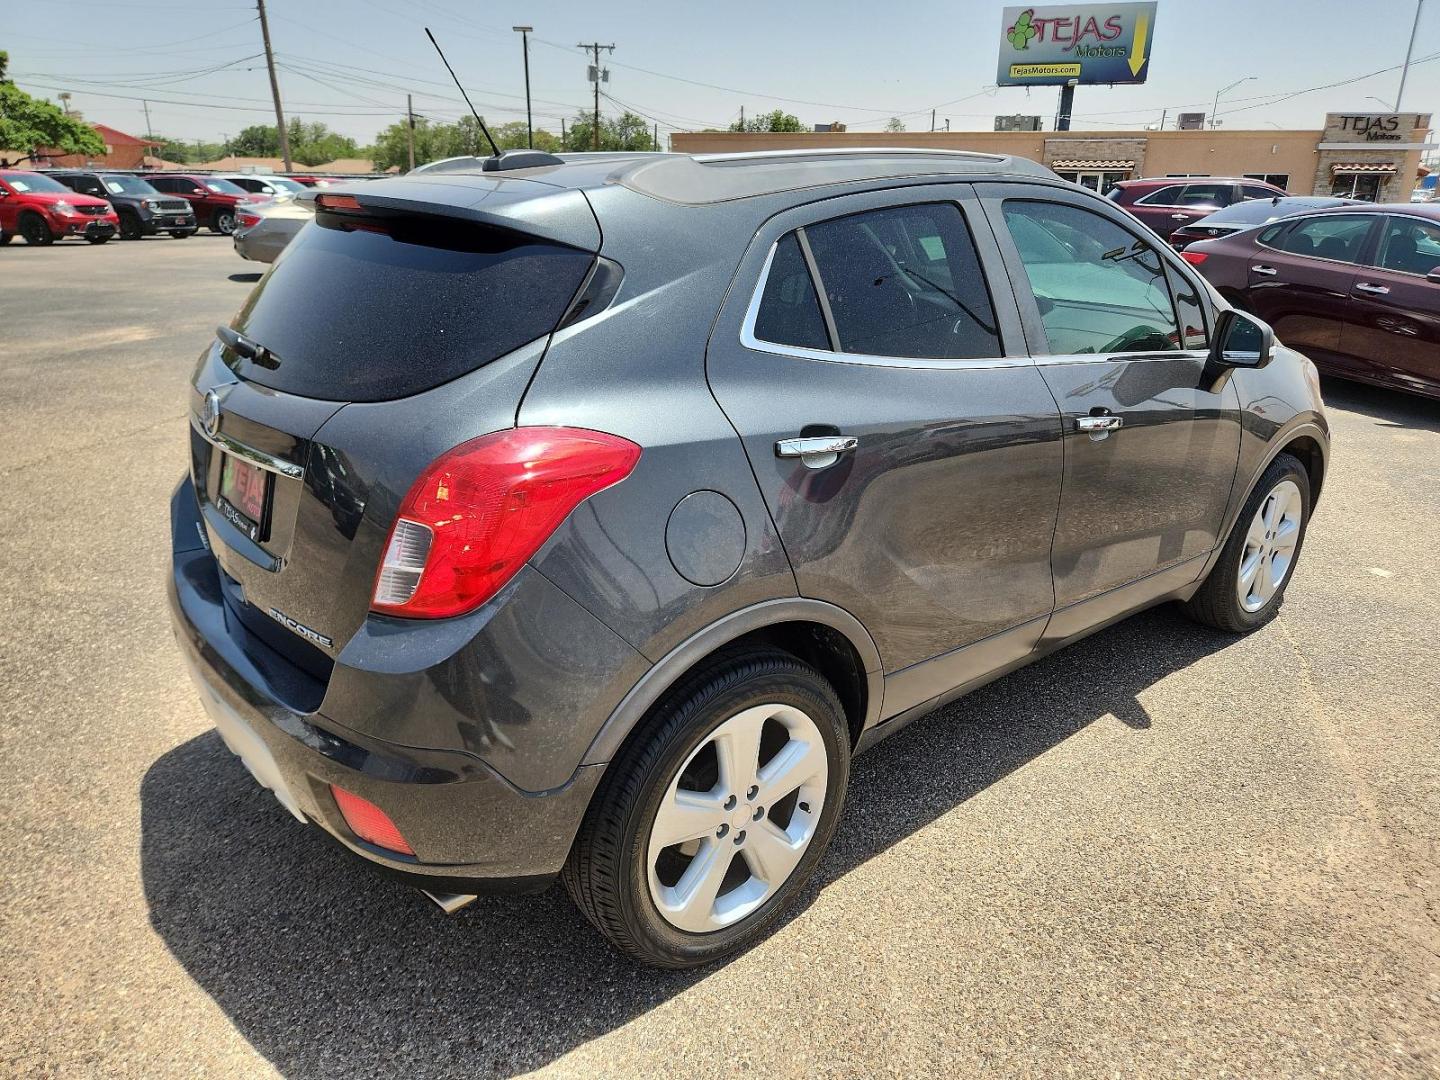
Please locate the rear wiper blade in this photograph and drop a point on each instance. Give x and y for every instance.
(250, 350)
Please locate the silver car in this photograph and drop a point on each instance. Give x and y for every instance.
(261, 232)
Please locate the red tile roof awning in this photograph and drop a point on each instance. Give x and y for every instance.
(1077, 163)
(1386, 168)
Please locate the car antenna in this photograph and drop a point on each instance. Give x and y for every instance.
(483, 129)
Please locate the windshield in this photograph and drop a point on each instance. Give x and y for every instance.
(224, 187)
(292, 186)
(127, 185)
(33, 182)
(1260, 211)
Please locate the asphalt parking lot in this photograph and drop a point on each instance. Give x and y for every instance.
(1161, 852)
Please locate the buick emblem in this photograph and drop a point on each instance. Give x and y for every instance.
(210, 413)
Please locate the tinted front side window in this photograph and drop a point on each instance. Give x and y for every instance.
(789, 310)
(905, 281)
(1206, 195)
(398, 305)
(1340, 237)
(1410, 246)
(1099, 288)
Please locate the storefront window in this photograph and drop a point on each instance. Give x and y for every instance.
(1101, 180)
(1279, 179)
(1362, 186)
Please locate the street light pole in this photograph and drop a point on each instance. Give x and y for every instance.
(525, 32)
(1225, 90)
(1409, 52)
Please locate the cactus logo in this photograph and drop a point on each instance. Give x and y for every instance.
(1023, 30)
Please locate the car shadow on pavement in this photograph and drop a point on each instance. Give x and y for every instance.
(1391, 408)
(328, 969)
(246, 279)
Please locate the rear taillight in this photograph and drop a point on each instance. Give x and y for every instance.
(369, 822)
(338, 202)
(247, 220)
(481, 510)
(1194, 258)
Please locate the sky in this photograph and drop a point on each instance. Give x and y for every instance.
(350, 63)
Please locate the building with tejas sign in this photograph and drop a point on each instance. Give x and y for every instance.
(1371, 156)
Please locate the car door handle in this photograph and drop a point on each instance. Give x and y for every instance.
(1372, 289)
(1264, 271)
(1098, 423)
(817, 451)
(1180, 217)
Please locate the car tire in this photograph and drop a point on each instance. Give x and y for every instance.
(223, 222)
(98, 239)
(699, 899)
(35, 231)
(5, 238)
(183, 235)
(130, 227)
(1244, 589)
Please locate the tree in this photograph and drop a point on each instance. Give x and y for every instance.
(776, 120)
(627, 132)
(894, 124)
(30, 124)
(436, 141)
(259, 140)
(310, 143)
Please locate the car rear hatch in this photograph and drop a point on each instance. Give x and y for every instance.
(409, 319)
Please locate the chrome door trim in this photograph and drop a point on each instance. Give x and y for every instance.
(750, 341)
(258, 458)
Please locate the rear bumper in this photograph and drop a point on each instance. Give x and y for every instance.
(471, 830)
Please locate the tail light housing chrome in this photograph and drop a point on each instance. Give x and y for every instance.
(480, 511)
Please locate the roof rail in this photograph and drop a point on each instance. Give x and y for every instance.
(845, 151)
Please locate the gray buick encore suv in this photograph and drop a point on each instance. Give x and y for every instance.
(581, 518)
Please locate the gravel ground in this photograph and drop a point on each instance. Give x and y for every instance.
(1161, 852)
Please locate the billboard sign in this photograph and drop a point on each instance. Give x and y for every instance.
(1081, 43)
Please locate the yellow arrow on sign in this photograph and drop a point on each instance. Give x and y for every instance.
(1137, 51)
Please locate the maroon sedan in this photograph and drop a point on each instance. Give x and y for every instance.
(1356, 288)
(1166, 205)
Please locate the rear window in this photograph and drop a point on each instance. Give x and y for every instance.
(381, 308)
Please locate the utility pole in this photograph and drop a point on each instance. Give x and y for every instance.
(564, 138)
(525, 32)
(742, 117)
(595, 73)
(410, 130)
(1409, 52)
(656, 139)
(274, 88)
(1164, 115)
(148, 133)
(932, 119)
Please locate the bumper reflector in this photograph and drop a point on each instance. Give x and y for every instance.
(369, 822)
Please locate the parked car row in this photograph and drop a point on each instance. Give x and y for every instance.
(98, 204)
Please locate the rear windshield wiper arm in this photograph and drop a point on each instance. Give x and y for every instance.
(250, 350)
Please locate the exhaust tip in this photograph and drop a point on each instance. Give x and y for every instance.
(450, 902)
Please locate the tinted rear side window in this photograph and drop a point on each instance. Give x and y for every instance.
(388, 307)
(1339, 237)
(905, 282)
(790, 311)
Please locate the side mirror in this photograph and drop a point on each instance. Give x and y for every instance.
(1433, 276)
(1242, 340)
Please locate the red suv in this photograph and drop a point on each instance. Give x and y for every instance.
(43, 210)
(214, 199)
(1165, 205)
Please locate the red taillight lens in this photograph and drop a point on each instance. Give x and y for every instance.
(1194, 258)
(369, 822)
(481, 510)
(248, 220)
(337, 202)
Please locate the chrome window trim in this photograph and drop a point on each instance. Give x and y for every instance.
(258, 458)
(755, 344)
(1121, 358)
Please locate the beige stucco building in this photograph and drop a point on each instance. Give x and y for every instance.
(1374, 156)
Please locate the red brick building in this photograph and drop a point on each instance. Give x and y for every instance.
(122, 151)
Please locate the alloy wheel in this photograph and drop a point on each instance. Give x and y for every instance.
(737, 818)
(1269, 551)
(225, 223)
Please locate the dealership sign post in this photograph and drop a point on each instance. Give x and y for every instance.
(1075, 45)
